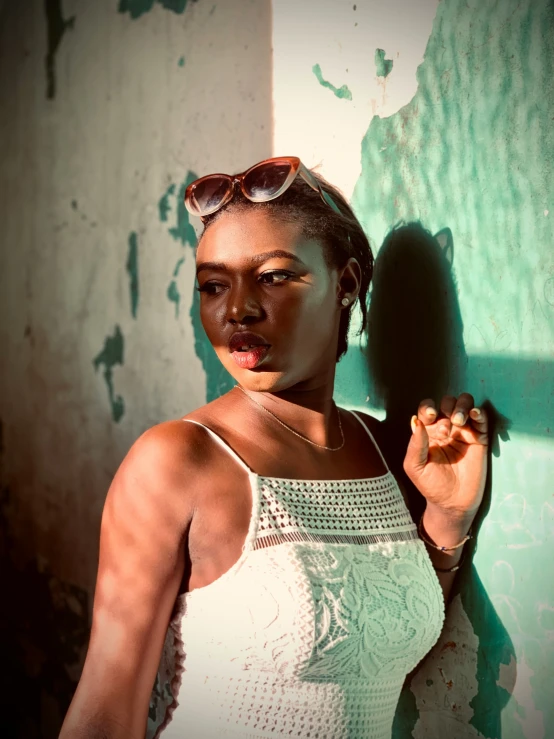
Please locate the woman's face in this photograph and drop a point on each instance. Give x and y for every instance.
(260, 275)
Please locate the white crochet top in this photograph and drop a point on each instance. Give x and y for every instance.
(312, 632)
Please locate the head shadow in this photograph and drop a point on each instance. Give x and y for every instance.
(415, 344)
(415, 350)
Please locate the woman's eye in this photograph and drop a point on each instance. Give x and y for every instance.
(211, 288)
(275, 278)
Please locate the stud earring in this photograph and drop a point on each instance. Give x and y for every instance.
(345, 301)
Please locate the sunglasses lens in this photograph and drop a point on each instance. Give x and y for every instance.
(265, 180)
(209, 193)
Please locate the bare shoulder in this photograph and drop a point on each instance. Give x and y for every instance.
(166, 446)
(372, 422)
(392, 452)
(374, 425)
(161, 468)
(379, 432)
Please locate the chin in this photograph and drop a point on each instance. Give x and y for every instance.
(263, 381)
(260, 379)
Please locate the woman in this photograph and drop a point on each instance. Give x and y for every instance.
(266, 528)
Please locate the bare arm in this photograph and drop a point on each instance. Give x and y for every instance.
(448, 531)
(142, 558)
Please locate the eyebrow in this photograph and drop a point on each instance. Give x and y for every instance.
(254, 261)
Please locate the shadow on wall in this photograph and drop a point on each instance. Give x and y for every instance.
(415, 350)
(44, 627)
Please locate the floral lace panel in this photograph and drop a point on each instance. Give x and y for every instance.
(378, 610)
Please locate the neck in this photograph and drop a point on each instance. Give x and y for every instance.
(308, 409)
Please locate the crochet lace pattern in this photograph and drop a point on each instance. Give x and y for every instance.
(311, 634)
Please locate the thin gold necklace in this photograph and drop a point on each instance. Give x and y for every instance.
(305, 438)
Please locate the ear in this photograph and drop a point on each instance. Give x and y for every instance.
(445, 240)
(350, 279)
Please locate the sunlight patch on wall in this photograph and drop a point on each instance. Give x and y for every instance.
(340, 38)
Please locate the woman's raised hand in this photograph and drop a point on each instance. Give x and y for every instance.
(446, 457)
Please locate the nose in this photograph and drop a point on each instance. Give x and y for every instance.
(243, 305)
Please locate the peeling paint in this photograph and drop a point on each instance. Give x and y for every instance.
(112, 354)
(181, 62)
(529, 718)
(178, 267)
(132, 270)
(340, 92)
(383, 66)
(406, 715)
(174, 296)
(173, 293)
(507, 676)
(163, 205)
(56, 28)
(183, 230)
(444, 689)
(136, 8)
(218, 380)
(494, 651)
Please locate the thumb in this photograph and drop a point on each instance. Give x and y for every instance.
(418, 449)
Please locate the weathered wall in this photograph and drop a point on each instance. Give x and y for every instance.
(464, 144)
(420, 111)
(107, 107)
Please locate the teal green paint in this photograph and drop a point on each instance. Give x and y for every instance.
(218, 380)
(174, 296)
(181, 61)
(133, 272)
(406, 715)
(178, 267)
(163, 204)
(340, 92)
(495, 649)
(177, 6)
(112, 354)
(56, 26)
(473, 151)
(183, 230)
(136, 8)
(383, 66)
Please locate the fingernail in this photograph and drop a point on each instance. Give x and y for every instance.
(413, 423)
(431, 412)
(475, 412)
(458, 419)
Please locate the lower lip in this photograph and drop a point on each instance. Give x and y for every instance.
(252, 358)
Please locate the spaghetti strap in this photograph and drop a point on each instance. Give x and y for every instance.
(371, 437)
(223, 444)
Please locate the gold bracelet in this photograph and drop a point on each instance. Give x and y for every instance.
(441, 549)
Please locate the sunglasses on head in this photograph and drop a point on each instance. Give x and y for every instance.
(264, 181)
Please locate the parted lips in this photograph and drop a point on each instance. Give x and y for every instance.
(241, 339)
